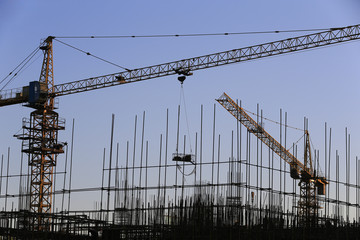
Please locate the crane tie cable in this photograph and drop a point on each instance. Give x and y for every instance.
(182, 97)
(21, 66)
(273, 121)
(89, 54)
(201, 34)
(294, 144)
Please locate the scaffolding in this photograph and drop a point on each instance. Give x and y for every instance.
(231, 192)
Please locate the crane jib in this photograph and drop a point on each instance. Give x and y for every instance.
(333, 36)
(289, 45)
(255, 128)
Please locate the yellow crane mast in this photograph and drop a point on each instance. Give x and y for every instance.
(41, 139)
(310, 184)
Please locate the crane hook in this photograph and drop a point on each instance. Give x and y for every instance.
(181, 79)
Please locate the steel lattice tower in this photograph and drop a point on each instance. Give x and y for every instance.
(308, 204)
(41, 142)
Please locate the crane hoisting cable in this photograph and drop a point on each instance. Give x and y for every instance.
(183, 157)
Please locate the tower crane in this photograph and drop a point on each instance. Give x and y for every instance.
(41, 132)
(310, 184)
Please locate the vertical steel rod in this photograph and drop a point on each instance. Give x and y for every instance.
(110, 165)
(133, 174)
(7, 179)
(71, 161)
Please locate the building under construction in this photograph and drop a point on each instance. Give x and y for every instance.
(262, 188)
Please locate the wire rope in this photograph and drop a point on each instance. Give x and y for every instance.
(15, 72)
(89, 54)
(182, 97)
(273, 121)
(202, 34)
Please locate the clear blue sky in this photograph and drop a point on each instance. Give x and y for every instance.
(322, 85)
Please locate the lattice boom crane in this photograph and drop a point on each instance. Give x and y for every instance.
(309, 180)
(185, 66)
(42, 129)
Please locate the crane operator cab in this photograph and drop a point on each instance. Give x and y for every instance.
(36, 92)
